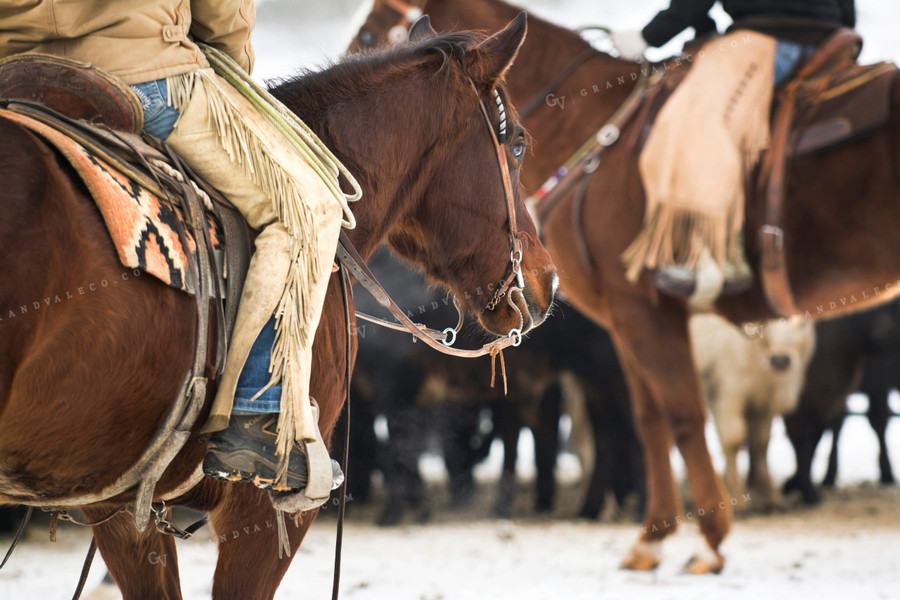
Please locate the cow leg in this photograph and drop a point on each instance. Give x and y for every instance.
(407, 426)
(653, 342)
(804, 432)
(546, 437)
(831, 472)
(759, 432)
(731, 426)
(595, 499)
(143, 565)
(510, 425)
(877, 388)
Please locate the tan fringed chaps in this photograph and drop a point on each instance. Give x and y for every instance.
(226, 140)
(704, 143)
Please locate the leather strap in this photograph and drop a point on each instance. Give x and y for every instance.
(569, 69)
(85, 569)
(28, 512)
(586, 159)
(350, 259)
(841, 47)
(347, 296)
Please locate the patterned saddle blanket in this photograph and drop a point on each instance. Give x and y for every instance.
(149, 233)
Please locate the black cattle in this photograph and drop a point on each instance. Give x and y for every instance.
(422, 393)
(853, 353)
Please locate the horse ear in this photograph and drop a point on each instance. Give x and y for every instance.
(490, 60)
(421, 29)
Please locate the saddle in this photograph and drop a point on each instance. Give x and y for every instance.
(95, 121)
(831, 100)
(143, 191)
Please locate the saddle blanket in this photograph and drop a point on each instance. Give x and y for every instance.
(143, 227)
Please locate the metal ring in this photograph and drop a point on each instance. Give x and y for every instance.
(512, 256)
(515, 333)
(608, 135)
(451, 334)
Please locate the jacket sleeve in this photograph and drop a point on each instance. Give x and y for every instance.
(225, 25)
(848, 13)
(680, 15)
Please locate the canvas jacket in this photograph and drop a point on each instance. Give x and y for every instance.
(136, 40)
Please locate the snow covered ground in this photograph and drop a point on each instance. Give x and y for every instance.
(847, 548)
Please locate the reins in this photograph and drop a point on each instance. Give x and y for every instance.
(352, 264)
(586, 159)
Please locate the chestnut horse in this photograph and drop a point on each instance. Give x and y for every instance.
(842, 219)
(86, 379)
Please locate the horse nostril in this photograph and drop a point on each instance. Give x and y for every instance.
(780, 362)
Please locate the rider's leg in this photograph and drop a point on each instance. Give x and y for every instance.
(277, 261)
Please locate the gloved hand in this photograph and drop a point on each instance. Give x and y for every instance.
(630, 44)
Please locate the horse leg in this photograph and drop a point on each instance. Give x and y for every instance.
(663, 505)
(246, 530)
(658, 357)
(143, 564)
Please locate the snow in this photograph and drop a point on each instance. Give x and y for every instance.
(847, 548)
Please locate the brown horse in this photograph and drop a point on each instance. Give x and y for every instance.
(87, 378)
(842, 219)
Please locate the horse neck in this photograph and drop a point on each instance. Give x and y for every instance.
(382, 138)
(590, 95)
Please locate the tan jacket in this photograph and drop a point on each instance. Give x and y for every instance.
(136, 40)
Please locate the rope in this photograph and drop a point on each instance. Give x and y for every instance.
(316, 154)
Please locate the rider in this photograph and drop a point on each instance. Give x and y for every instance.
(150, 45)
(694, 165)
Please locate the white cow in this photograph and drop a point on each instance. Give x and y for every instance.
(750, 376)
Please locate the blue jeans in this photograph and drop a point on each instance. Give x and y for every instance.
(787, 56)
(159, 121)
(159, 117)
(255, 376)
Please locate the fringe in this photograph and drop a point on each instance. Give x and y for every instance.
(295, 310)
(676, 236)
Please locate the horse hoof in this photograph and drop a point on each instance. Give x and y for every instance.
(643, 556)
(704, 565)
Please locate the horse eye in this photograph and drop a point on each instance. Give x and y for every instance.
(518, 150)
(367, 38)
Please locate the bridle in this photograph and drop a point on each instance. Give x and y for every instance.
(441, 341)
(409, 14)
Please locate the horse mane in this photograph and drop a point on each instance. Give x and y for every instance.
(345, 78)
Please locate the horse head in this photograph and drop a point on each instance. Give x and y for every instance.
(427, 130)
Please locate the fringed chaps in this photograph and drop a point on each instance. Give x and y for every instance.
(704, 143)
